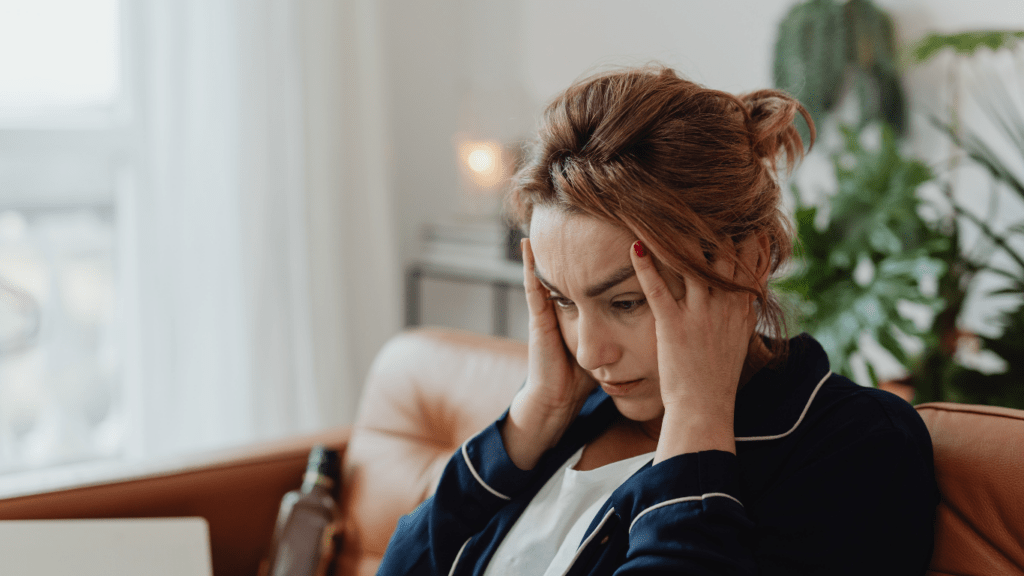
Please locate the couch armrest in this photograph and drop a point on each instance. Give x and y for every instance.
(979, 523)
(237, 491)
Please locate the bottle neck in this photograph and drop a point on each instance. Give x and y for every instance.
(312, 479)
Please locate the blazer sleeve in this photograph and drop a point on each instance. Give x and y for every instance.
(478, 481)
(684, 517)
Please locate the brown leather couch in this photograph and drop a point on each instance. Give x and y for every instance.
(428, 390)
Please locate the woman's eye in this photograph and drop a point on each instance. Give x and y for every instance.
(628, 305)
(561, 302)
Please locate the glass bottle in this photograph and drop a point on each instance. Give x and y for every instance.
(303, 543)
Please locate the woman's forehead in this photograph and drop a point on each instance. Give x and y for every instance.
(577, 233)
(575, 249)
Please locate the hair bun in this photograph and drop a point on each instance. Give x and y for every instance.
(770, 115)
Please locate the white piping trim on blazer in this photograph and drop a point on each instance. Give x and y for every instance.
(465, 455)
(457, 556)
(807, 407)
(684, 499)
(589, 539)
(798, 420)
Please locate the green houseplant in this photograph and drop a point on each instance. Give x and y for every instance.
(859, 271)
(866, 256)
(825, 48)
(873, 255)
(938, 374)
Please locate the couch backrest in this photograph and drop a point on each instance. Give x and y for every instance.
(428, 390)
(979, 465)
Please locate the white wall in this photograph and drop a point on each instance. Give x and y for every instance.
(437, 53)
(713, 43)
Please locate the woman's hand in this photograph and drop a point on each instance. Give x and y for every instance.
(703, 337)
(556, 386)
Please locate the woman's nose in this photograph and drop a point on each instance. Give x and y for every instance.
(596, 345)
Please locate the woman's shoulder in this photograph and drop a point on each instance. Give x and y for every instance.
(806, 422)
(844, 404)
(806, 391)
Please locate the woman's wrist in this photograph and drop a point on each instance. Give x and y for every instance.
(533, 427)
(688, 430)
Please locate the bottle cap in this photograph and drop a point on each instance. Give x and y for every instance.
(325, 461)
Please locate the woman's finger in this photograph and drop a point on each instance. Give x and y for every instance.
(658, 295)
(723, 268)
(738, 304)
(536, 294)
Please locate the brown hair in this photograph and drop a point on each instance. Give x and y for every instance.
(671, 161)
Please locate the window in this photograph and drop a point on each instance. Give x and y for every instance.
(63, 117)
(166, 288)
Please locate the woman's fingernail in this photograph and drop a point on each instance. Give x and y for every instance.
(639, 249)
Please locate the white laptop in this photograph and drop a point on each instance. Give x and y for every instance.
(121, 547)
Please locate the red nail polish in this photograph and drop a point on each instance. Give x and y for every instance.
(639, 249)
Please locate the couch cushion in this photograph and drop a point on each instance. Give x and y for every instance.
(428, 390)
(979, 465)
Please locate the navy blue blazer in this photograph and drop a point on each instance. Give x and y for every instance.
(829, 478)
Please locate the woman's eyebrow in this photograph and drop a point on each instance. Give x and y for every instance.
(617, 277)
(544, 282)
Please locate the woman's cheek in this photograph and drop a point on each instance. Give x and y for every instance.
(567, 325)
(645, 339)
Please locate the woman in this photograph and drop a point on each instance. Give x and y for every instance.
(666, 425)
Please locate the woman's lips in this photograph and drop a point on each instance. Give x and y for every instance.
(620, 388)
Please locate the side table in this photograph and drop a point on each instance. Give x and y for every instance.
(500, 275)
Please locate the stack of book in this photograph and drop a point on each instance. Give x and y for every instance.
(472, 244)
(468, 238)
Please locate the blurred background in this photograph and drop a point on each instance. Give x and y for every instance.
(214, 212)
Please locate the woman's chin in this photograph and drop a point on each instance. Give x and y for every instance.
(639, 410)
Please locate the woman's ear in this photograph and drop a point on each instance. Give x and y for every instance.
(755, 254)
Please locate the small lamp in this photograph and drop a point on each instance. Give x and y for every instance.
(484, 168)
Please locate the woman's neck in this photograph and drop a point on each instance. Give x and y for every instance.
(758, 356)
(625, 438)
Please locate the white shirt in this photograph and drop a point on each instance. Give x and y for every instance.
(543, 541)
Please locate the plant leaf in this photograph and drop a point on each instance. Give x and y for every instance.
(873, 216)
(809, 60)
(965, 43)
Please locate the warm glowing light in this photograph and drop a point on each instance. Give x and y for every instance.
(481, 160)
(483, 163)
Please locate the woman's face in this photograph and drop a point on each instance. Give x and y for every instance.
(605, 320)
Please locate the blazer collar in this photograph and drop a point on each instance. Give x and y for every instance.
(774, 402)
